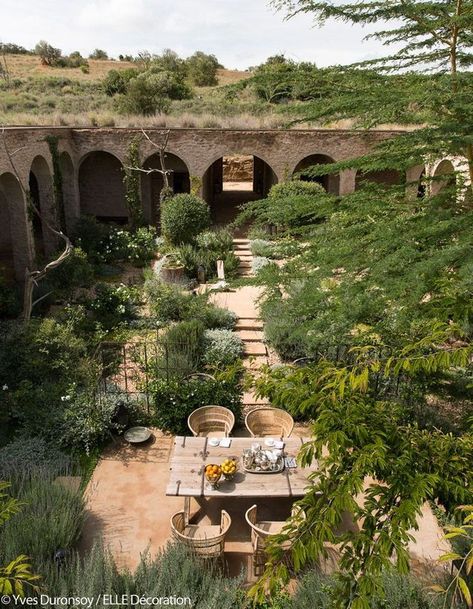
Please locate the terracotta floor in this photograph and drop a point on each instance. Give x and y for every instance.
(128, 508)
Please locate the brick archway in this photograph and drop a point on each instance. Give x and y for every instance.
(101, 188)
(330, 182)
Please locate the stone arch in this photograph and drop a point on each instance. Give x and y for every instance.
(152, 184)
(444, 175)
(331, 182)
(15, 243)
(101, 188)
(388, 177)
(40, 183)
(225, 195)
(70, 190)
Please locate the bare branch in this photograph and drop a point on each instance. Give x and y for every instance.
(32, 278)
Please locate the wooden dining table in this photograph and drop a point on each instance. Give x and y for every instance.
(192, 454)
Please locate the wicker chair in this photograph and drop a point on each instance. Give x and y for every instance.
(209, 420)
(268, 421)
(261, 530)
(205, 541)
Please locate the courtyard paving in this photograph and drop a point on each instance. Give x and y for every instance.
(126, 500)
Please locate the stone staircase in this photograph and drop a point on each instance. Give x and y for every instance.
(242, 250)
(250, 329)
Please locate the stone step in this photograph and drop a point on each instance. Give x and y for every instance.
(244, 264)
(245, 256)
(248, 323)
(239, 240)
(254, 348)
(251, 336)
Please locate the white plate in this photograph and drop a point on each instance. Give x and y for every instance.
(214, 441)
(269, 442)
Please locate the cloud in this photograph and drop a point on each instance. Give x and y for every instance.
(114, 14)
(239, 32)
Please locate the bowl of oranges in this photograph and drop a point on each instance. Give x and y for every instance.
(213, 473)
(229, 468)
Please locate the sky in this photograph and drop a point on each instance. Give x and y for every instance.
(241, 33)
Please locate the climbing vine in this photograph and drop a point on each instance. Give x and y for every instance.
(58, 193)
(131, 180)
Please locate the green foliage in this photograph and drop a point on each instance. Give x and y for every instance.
(90, 419)
(290, 207)
(173, 401)
(39, 362)
(131, 181)
(51, 518)
(116, 81)
(281, 80)
(221, 347)
(169, 302)
(17, 574)
(218, 241)
(315, 591)
(183, 343)
(151, 92)
(183, 217)
(172, 573)
(76, 271)
(376, 270)
(113, 305)
(29, 456)
(358, 438)
(202, 69)
(99, 54)
(194, 256)
(107, 244)
(461, 581)
(48, 54)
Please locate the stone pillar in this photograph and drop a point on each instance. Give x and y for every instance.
(347, 181)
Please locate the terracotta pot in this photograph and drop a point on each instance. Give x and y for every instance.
(173, 274)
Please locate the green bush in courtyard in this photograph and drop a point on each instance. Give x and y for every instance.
(183, 217)
(221, 347)
(174, 400)
(51, 517)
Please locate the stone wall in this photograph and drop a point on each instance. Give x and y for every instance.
(93, 182)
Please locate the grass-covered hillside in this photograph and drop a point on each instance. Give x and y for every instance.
(162, 91)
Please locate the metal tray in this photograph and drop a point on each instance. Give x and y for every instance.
(266, 471)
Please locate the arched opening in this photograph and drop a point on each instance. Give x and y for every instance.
(40, 185)
(152, 184)
(422, 185)
(444, 176)
(233, 180)
(7, 255)
(101, 188)
(69, 203)
(330, 182)
(14, 239)
(387, 177)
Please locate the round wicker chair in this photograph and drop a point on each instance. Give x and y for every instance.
(208, 420)
(269, 421)
(206, 541)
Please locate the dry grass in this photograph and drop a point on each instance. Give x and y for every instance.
(186, 120)
(26, 66)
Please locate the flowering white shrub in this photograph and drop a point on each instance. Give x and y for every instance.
(221, 347)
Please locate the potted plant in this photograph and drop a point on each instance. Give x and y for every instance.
(172, 269)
